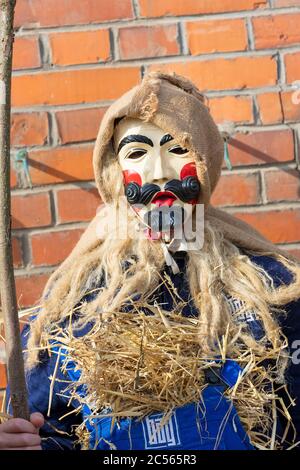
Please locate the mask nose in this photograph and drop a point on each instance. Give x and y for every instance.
(158, 170)
(162, 170)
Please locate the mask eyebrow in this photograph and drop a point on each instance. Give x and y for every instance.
(166, 138)
(135, 138)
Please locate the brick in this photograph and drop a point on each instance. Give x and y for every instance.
(292, 65)
(73, 86)
(270, 108)
(77, 205)
(276, 30)
(3, 379)
(51, 248)
(41, 13)
(26, 53)
(258, 148)
(148, 41)
(30, 288)
(29, 129)
(280, 226)
(80, 47)
(286, 3)
(17, 252)
(79, 125)
(194, 7)
(216, 36)
(61, 164)
(282, 185)
(291, 105)
(13, 177)
(235, 190)
(32, 210)
(231, 108)
(280, 107)
(224, 74)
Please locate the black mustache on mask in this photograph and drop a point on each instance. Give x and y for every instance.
(186, 190)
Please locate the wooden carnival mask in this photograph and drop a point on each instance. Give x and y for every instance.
(159, 175)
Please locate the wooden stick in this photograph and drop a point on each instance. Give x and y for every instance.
(15, 364)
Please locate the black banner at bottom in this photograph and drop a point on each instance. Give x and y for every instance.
(139, 459)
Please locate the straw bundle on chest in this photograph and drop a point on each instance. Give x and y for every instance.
(145, 360)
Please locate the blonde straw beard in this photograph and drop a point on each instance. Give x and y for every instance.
(217, 269)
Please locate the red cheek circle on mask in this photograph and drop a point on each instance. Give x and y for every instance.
(188, 170)
(130, 176)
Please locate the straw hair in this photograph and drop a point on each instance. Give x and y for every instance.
(120, 271)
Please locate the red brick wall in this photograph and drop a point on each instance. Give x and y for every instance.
(72, 58)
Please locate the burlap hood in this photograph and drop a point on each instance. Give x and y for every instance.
(175, 105)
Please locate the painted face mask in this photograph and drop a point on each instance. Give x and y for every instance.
(159, 175)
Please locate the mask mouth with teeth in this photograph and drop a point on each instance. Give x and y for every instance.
(160, 178)
(165, 222)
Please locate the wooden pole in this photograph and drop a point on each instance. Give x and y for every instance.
(15, 364)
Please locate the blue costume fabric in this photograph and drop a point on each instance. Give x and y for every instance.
(213, 423)
(210, 424)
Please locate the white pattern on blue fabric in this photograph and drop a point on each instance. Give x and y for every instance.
(236, 305)
(158, 435)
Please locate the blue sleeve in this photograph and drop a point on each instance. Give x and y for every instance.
(290, 324)
(291, 329)
(58, 432)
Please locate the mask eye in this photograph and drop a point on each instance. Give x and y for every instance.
(134, 154)
(177, 150)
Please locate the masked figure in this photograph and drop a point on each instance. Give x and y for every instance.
(156, 337)
(158, 173)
